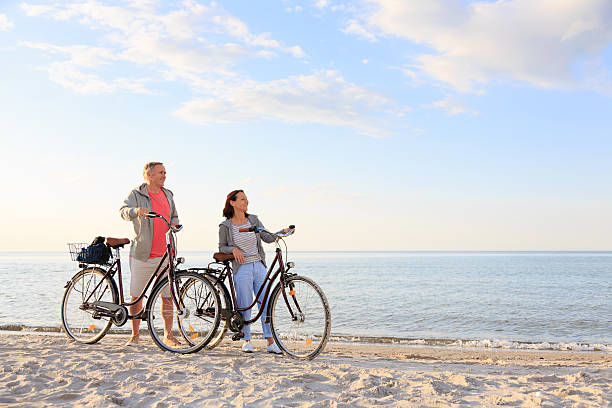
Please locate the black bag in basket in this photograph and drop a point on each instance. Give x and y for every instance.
(96, 253)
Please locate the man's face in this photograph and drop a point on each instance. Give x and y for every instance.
(157, 176)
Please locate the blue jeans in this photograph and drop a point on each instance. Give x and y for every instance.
(247, 281)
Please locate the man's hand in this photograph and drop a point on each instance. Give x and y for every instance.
(238, 256)
(142, 212)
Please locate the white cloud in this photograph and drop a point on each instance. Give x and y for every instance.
(71, 73)
(33, 10)
(356, 28)
(324, 98)
(200, 46)
(193, 38)
(537, 42)
(176, 28)
(452, 106)
(5, 23)
(411, 74)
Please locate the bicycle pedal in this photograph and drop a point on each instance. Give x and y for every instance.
(237, 336)
(140, 316)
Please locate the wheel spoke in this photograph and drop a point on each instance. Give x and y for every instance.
(304, 335)
(78, 323)
(194, 329)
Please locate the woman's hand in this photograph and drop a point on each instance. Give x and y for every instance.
(238, 255)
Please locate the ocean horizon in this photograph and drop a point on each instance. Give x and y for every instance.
(499, 299)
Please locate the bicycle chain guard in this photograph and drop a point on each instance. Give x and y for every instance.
(120, 317)
(117, 313)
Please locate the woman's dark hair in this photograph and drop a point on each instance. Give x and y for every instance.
(228, 210)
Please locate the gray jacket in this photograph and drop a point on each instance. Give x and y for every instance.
(143, 227)
(226, 242)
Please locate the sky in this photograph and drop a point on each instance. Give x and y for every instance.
(369, 124)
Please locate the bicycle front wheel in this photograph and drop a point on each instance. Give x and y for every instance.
(80, 322)
(226, 303)
(195, 325)
(300, 318)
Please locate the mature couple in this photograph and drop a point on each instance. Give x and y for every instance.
(149, 246)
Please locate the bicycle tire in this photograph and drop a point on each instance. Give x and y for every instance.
(197, 326)
(226, 303)
(305, 337)
(80, 324)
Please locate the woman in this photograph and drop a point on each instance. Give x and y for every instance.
(249, 263)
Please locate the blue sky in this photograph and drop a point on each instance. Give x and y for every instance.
(371, 125)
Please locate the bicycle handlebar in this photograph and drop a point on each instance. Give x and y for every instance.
(278, 234)
(175, 228)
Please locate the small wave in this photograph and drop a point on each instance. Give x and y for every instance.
(485, 343)
(518, 345)
(439, 342)
(21, 327)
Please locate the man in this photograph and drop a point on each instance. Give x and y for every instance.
(149, 244)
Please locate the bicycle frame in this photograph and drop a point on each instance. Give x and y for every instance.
(280, 271)
(158, 275)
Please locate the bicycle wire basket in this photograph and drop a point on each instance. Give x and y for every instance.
(88, 253)
(76, 248)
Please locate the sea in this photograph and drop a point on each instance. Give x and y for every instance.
(499, 300)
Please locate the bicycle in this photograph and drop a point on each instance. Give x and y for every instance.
(297, 309)
(92, 302)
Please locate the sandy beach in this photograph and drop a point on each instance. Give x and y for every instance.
(48, 370)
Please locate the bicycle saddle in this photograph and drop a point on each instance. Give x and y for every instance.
(221, 257)
(117, 242)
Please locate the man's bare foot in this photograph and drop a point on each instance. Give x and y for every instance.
(133, 341)
(171, 341)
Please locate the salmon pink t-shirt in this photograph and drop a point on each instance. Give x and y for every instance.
(160, 205)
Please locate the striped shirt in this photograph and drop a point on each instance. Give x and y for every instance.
(246, 242)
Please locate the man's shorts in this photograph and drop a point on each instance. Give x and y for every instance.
(141, 272)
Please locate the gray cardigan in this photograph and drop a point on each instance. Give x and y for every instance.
(226, 242)
(143, 227)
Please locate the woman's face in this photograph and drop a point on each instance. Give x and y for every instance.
(241, 204)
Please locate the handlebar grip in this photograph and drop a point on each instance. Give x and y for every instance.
(152, 214)
(250, 229)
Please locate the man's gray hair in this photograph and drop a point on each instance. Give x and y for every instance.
(149, 167)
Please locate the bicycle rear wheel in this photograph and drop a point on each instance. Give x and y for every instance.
(301, 321)
(197, 323)
(80, 322)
